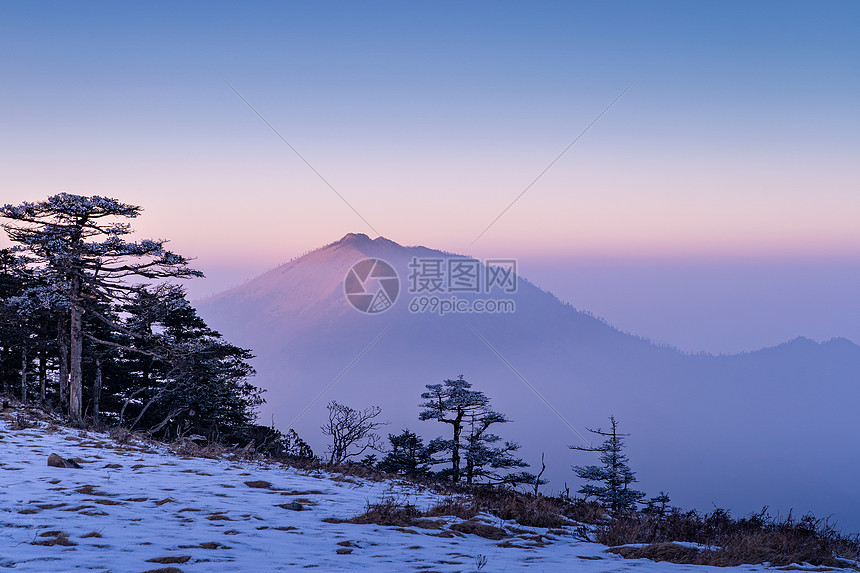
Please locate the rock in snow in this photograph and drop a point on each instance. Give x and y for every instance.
(56, 461)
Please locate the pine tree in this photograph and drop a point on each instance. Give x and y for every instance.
(14, 333)
(657, 505)
(184, 377)
(452, 402)
(484, 459)
(472, 455)
(614, 473)
(27, 312)
(408, 455)
(297, 448)
(67, 306)
(80, 245)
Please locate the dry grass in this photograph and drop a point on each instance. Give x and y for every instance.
(484, 530)
(671, 552)
(464, 508)
(755, 539)
(389, 511)
(467, 502)
(91, 534)
(590, 512)
(91, 490)
(187, 447)
(525, 509)
(56, 538)
(20, 422)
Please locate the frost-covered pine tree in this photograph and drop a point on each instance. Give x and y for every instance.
(29, 311)
(472, 449)
(614, 475)
(490, 458)
(453, 402)
(79, 244)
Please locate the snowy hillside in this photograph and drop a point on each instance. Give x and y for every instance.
(138, 507)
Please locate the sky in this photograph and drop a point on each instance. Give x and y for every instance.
(712, 206)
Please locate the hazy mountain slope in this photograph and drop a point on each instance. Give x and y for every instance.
(734, 430)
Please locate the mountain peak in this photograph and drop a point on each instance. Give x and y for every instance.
(360, 241)
(350, 238)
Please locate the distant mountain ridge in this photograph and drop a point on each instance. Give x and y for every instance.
(738, 430)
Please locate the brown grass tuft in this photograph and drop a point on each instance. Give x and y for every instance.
(455, 507)
(57, 538)
(481, 530)
(671, 552)
(388, 511)
(91, 490)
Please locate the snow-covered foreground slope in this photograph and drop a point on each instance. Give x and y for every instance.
(134, 503)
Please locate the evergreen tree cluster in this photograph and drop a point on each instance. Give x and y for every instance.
(95, 326)
(473, 455)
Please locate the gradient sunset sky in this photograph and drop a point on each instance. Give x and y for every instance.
(738, 141)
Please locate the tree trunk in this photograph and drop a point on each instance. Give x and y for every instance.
(537, 477)
(24, 375)
(5, 373)
(127, 402)
(63, 352)
(76, 346)
(43, 376)
(97, 391)
(165, 421)
(455, 450)
(146, 407)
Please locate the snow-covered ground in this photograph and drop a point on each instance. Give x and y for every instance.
(131, 504)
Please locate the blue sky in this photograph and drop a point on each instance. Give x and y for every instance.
(738, 139)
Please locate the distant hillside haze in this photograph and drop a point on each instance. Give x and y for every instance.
(772, 427)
